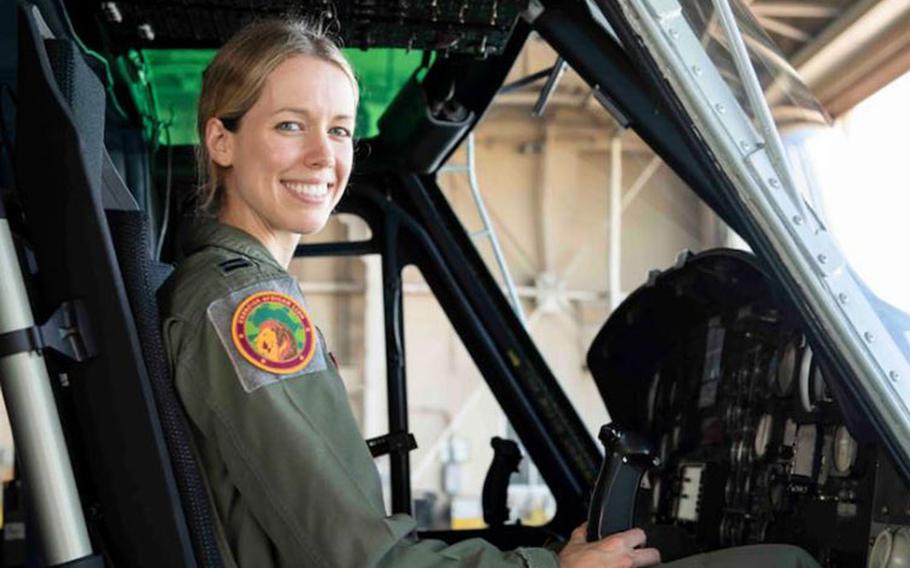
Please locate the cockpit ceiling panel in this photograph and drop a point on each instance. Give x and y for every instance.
(455, 26)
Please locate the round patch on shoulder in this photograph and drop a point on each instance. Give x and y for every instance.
(273, 332)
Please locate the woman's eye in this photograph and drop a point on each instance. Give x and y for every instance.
(340, 131)
(289, 126)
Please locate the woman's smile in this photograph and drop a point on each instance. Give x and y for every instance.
(309, 191)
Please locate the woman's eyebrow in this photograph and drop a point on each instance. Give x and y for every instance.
(307, 112)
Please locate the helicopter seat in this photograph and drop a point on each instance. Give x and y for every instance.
(129, 440)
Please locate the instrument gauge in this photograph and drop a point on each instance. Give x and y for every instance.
(786, 368)
(805, 372)
(741, 453)
(845, 451)
(777, 495)
(790, 428)
(763, 435)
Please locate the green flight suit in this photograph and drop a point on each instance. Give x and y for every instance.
(291, 479)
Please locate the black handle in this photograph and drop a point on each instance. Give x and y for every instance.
(627, 457)
(506, 457)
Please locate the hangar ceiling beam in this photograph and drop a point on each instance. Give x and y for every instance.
(860, 52)
(793, 10)
(783, 28)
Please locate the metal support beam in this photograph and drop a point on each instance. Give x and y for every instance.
(783, 29)
(757, 101)
(615, 221)
(643, 178)
(38, 435)
(396, 384)
(862, 50)
(793, 10)
(545, 256)
(490, 232)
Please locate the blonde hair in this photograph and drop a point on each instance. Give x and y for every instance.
(233, 81)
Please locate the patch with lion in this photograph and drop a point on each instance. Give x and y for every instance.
(268, 333)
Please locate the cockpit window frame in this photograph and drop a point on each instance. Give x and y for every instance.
(784, 232)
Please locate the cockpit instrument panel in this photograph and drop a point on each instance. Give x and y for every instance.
(450, 26)
(755, 446)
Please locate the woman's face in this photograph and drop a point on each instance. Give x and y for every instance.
(289, 160)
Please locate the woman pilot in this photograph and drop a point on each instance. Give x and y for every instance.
(292, 481)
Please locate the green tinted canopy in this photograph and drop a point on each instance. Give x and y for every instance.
(165, 84)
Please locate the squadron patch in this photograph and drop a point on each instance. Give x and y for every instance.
(267, 333)
(273, 332)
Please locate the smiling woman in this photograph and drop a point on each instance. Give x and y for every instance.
(288, 469)
(292, 480)
(286, 162)
(275, 122)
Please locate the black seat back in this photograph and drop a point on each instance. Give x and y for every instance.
(149, 502)
(142, 277)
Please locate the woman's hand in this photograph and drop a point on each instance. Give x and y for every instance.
(615, 551)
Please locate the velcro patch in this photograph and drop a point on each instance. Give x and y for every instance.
(267, 332)
(232, 264)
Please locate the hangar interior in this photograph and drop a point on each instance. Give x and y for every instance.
(571, 212)
(581, 210)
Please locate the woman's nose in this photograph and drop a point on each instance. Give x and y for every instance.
(319, 152)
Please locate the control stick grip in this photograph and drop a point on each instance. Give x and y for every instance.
(627, 457)
(506, 459)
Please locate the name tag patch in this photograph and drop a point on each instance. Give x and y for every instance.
(268, 333)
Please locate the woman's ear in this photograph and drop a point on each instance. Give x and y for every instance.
(219, 141)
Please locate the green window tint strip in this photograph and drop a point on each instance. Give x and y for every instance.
(165, 85)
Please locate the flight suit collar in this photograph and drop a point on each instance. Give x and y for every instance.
(212, 233)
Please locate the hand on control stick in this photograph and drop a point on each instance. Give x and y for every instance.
(615, 551)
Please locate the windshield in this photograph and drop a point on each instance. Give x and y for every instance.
(799, 115)
(791, 102)
(820, 172)
(864, 150)
(741, 94)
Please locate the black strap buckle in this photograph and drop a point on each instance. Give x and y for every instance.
(65, 332)
(397, 442)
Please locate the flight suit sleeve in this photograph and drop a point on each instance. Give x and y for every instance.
(291, 450)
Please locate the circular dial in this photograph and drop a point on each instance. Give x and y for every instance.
(763, 435)
(845, 451)
(777, 494)
(741, 453)
(786, 368)
(805, 368)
